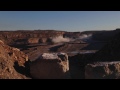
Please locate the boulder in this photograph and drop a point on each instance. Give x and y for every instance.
(103, 70)
(50, 66)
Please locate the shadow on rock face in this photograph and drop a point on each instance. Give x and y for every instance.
(77, 65)
(23, 70)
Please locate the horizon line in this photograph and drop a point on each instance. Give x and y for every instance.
(60, 30)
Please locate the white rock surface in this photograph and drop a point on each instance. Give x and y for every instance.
(49, 56)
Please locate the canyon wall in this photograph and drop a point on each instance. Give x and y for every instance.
(43, 36)
(28, 37)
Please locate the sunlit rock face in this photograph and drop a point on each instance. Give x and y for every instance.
(33, 40)
(50, 66)
(103, 70)
(8, 57)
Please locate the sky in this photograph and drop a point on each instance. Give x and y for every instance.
(59, 20)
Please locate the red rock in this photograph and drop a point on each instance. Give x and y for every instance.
(8, 57)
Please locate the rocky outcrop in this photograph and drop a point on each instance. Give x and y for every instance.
(15, 54)
(50, 66)
(10, 60)
(103, 70)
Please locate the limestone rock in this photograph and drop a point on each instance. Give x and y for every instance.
(103, 70)
(50, 66)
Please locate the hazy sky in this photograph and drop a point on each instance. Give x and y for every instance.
(59, 20)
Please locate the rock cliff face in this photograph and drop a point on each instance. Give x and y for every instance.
(50, 66)
(11, 59)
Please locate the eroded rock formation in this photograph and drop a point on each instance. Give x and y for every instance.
(10, 60)
(50, 66)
